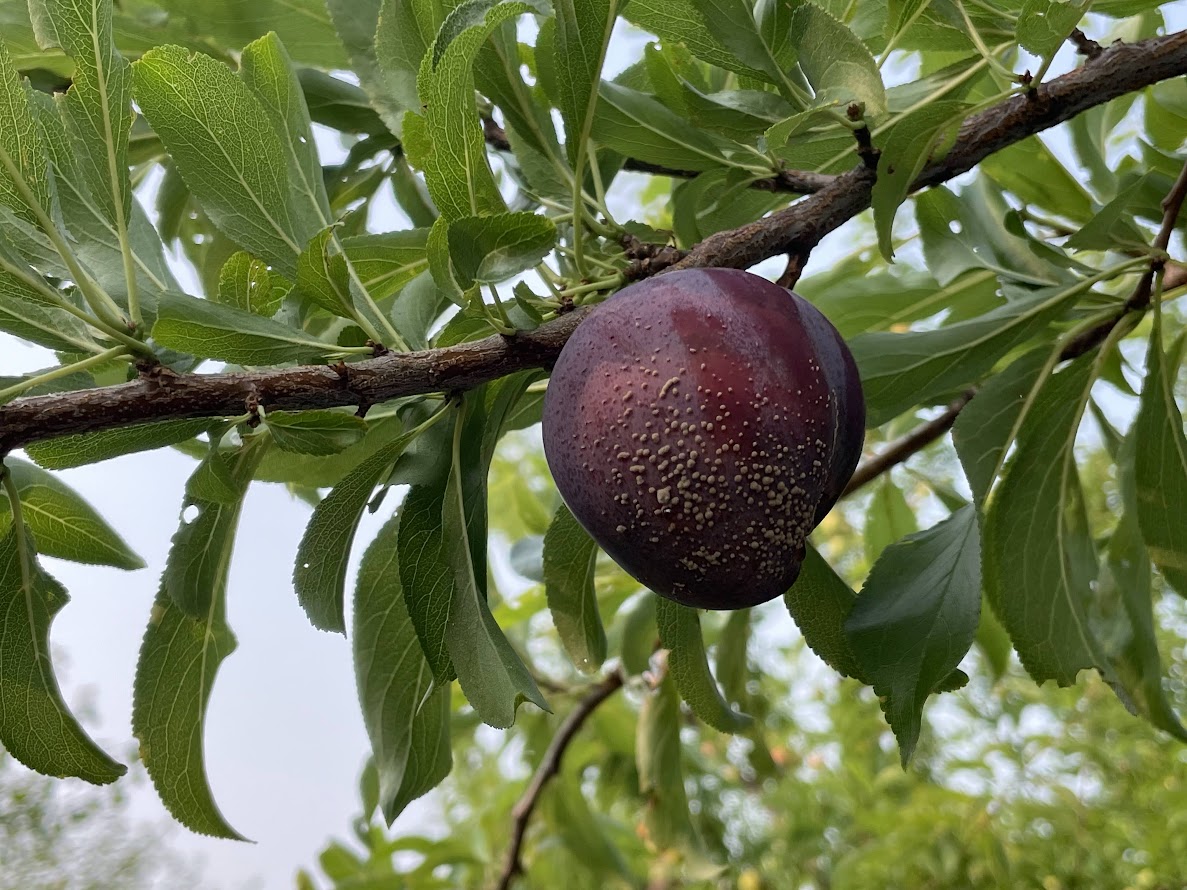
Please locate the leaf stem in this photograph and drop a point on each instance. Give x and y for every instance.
(64, 371)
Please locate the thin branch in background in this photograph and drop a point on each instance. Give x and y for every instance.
(521, 813)
(908, 446)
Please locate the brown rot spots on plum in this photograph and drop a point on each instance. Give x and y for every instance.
(699, 425)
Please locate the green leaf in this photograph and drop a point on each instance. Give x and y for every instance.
(657, 759)
(583, 30)
(90, 448)
(361, 27)
(490, 249)
(819, 601)
(213, 330)
(268, 71)
(969, 232)
(428, 577)
(388, 261)
(1043, 25)
(688, 666)
(989, 423)
(221, 139)
(835, 61)
(899, 371)
(1039, 559)
(680, 21)
(64, 524)
(185, 643)
(406, 31)
(490, 672)
(35, 725)
(904, 152)
(24, 314)
(195, 575)
(636, 125)
(323, 277)
(734, 27)
(1113, 227)
(889, 519)
(570, 555)
(320, 573)
(447, 143)
(916, 617)
(98, 106)
(315, 432)
(1128, 633)
(20, 142)
(732, 669)
(639, 634)
(1160, 467)
(407, 719)
(246, 283)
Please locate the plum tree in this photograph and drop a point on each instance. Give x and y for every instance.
(699, 425)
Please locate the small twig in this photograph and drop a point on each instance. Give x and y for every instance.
(909, 445)
(521, 813)
(796, 261)
(1085, 45)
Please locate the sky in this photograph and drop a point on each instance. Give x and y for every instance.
(284, 737)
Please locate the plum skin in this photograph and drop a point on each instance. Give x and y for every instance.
(699, 425)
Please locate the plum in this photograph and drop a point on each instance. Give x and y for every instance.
(699, 425)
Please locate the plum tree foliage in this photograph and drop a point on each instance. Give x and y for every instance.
(399, 211)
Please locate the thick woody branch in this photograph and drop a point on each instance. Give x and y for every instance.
(1117, 70)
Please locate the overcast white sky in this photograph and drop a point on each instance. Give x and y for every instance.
(284, 738)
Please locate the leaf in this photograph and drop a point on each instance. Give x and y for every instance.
(904, 152)
(899, 371)
(583, 29)
(734, 27)
(1128, 633)
(889, 519)
(246, 283)
(570, 556)
(387, 262)
(1113, 227)
(323, 277)
(447, 142)
(406, 719)
(213, 330)
(968, 232)
(98, 106)
(195, 575)
(688, 666)
(1038, 554)
(361, 26)
(221, 140)
(636, 125)
(1043, 25)
(319, 577)
(268, 71)
(64, 524)
(315, 432)
(25, 315)
(639, 634)
(1160, 467)
(835, 61)
(490, 249)
(35, 725)
(819, 602)
(20, 143)
(733, 672)
(657, 758)
(185, 643)
(490, 672)
(428, 577)
(680, 21)
(916, 617)
(987, 425)
(90, 448)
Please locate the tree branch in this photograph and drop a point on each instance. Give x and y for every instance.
(1119, 69)
(521, 813)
